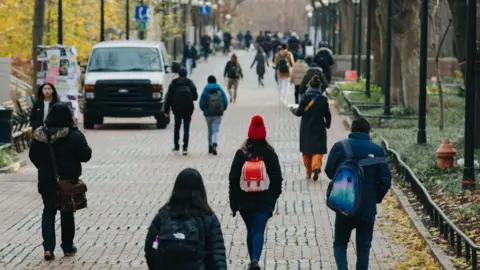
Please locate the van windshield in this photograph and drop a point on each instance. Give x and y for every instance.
(125, 59)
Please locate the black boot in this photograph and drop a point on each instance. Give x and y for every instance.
(214, 149)
(210, 149)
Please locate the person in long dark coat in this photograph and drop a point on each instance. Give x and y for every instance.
(316, 118)
(261, 60)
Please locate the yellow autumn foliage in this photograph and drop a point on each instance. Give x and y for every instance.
(81, 24)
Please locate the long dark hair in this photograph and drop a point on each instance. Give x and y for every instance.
(258, 148)
(54, 95)
(189, 196)
(60, 115)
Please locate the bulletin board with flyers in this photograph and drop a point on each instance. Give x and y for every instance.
(59, 66)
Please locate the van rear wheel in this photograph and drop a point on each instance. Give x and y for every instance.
(88, 122)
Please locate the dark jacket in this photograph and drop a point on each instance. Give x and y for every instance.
(190, 53)
(228, 67)
(36, 116)
(314, 124)
(209, 88)
(70, 148)
(251, 201)
(377, 178)
(214, 244)
(324, 59)
(312, 71)
(261, 60)
(174, 85)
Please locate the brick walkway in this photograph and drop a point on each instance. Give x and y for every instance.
(131, 175)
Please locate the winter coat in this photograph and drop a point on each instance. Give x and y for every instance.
(70, 148)
(209, 88)
(312, 71)
(253, 201)
(376, 179)
(174, 85)
(215, 258)
(290, 61)
(36, 116)
(324, 59)
(229, 66)
(299, 70)
(314, 124)
(190, 54)
(261, 61)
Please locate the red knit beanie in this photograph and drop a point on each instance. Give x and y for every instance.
(257, 130)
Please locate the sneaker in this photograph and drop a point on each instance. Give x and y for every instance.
(316, 172)
(176, 149)
(309, 176)
(254, 266)
(48, 256)
(214, 149)
(210, 149)
(71, 252)
(185, 152)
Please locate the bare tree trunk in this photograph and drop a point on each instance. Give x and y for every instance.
(459, 16)
(396, 77)
(37, 36)
(346, 14)
(377, 46)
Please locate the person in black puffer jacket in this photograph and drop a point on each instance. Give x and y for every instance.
(70, 148)
(186, 234)
(47, 96)
(256, 208)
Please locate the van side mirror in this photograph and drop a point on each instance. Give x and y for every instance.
(83, 69)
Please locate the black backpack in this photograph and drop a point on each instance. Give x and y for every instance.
(234, 71)
(215, 104)
(180, 243)
(283, 66)
(182, 98)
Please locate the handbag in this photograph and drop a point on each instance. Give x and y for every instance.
(71, 194)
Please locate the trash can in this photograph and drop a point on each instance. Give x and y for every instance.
(6, 125)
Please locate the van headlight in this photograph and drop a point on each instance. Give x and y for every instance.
(157, 95)
(90, 95)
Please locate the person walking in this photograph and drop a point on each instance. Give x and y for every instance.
(213, 103)
(314, 70)
(227, 42)
(186, 234)
(189, 57)
(299, 70)
(47, 96)
(240, 38)
(206, 42)
(316, 118)
(69, 149)
(376, 182)
(248, 40)
(180, 97)
(284, 62)
(324, 60)
(255, 201)
(233, 73)
(261, 60)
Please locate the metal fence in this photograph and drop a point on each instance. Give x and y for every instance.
(458, 242)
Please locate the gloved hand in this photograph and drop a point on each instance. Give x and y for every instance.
(234, 214)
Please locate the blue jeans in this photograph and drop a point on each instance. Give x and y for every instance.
(67, 224)
(213, 124)
(186, 131)
(256, 222)
(364, 235)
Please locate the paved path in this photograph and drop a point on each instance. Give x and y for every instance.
(131, 175)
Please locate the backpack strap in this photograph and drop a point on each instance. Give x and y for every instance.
(372, 161)
(347, 148)
(310, 104)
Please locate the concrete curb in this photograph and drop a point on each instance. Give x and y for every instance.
(15, 167)
(437, 252)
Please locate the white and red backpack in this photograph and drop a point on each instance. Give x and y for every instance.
(254, 175)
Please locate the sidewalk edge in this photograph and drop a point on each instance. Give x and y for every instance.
(14, 167)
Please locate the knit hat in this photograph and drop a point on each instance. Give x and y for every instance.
(257, 129)
(182, 72)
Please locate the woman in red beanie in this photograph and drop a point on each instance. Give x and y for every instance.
(255, 185)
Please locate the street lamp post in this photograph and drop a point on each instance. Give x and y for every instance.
(309, 10)
(388, 60)
(60, 23)
(334, 24)
(354, 31)
(185, 29)
(368, 50)
(422, 109)
(127, 20)
(175, 39)
(468, 182)
(326, 25)
(102, 20)
(214, 18)
(360, 30)
(317, 4)
(141, 33)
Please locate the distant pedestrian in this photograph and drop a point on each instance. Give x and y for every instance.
(261, 60)
(180, 97)
(316, 118)
(47, 96)
(375, 183)
(206, 42)
(298, 72)
(284, 62)
(248, 40)
(61, 162)
(213, 103)
(255, 197)
(190, 57)
(233, 73)
(227, 42)
(186, 234)
(279, 48)
(324, 59)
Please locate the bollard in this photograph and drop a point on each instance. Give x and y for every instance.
(445, 154)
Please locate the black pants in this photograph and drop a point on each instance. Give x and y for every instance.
(297, 94)
(226, 47)
(186, 131)
(67, 224)
(260, 79)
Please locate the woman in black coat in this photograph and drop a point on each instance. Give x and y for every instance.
(188, 217)
(261, 60)
(316, 118)
(46, 97)
(70, 149)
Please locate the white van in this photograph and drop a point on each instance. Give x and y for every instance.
(126, 78)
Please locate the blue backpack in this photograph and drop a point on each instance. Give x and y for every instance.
(345, 190)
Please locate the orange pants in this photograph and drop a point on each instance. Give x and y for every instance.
(312, 161)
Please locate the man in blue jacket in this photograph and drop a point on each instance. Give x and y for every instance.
(375, 185)
(213, 102)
